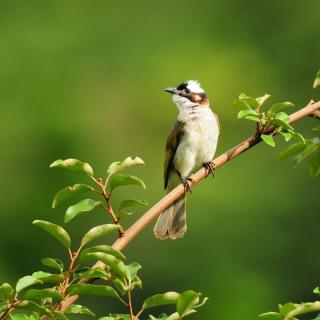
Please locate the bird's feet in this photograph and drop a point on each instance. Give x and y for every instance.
(210, 167)
(186, 184)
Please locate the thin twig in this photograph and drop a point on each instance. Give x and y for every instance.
(201, 174)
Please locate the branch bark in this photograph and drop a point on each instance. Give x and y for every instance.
(201, 174)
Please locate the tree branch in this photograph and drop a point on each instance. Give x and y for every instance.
(201, 174)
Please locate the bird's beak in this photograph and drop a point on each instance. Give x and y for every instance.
(171, 90)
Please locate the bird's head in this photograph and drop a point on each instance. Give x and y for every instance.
(188, 94)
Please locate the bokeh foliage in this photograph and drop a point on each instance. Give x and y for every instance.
(85, 79)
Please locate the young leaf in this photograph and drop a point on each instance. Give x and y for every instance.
(26, 281)
(98, 232)
(60, 315)
(32, 306)
(316, 291)
(268, 140)
(244, 102)
(123, 180)
(56, 231)
(78, 309)
(277, 107)
(245, 113)
(54, 263)
(73, 164)
(79, 208)
(49, 277)
(19, 316)
(132, 270)
(292, 150)
(91, 273)
(92, 290)
(314, 165)
(132, 203)
(113, 263)
(186, 301)
(123, 213)
(287, 135)
(70, 192)
(41, 294)
(316, 82)
(310, 148)
(117, 316)
(271, 316)
(118, 166)
(170, 297)
(101, 248)
(6, 292)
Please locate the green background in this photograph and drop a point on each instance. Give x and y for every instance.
(85, 79)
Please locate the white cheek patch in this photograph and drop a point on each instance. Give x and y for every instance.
(181, 102)
(194, 86)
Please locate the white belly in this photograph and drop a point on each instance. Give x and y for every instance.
(198, 144)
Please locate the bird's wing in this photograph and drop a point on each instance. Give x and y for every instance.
(173, 141)
(218, 122)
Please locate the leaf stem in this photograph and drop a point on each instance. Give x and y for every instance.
(130, 306)
(10, 307)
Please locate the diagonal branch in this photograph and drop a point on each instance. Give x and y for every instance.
(201, 174)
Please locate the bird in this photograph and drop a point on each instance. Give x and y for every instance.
(190, 145)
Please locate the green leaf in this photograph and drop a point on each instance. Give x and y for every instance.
(132, 270)
(263, 99)
(277, 107)
(306, 152)
(79, 208)
(60, 315)
(271, 316)
(91, 273)
(70, 192)
(19, 316)
(27, 281)
(286, 308)
(6, 292)
(123, 180)
(314, 165)
(245, 113)
(132, 203)
(316, 82)
(49, 277)
(160, 299)
(162, 316)
(32, 306)
(92, 290)
(292, 150)
(41, 294)
(78, 309)
(118, 166)
(186, 301)
(73, 164)
(56, 231)
(268, 140)
(244, 102)
(287, 135)
(316, 291)
(54, 263)
(98, 232)
(123, 213)
(116, 316)
(101, 248)
(112, 262)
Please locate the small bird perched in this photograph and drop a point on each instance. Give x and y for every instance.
(190, 145)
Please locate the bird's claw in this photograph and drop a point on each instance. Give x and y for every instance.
(186, 184)
(210, 167)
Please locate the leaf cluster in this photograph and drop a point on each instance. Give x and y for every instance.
(39, 295)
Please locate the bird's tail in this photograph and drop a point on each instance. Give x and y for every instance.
(172, 222)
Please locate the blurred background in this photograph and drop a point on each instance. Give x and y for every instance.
(85, 79)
